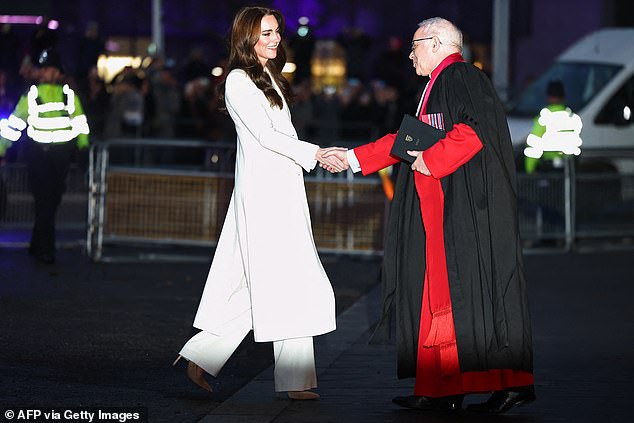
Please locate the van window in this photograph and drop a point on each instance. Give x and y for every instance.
(618, 111)
(582, 81)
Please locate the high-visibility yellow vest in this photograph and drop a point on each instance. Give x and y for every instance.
(539, 130)
(50, 113)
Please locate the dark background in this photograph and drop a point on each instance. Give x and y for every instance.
(540, 29)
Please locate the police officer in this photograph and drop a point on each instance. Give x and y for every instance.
(52, 116)
(555, 97)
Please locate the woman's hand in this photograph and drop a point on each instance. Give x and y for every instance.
(333, 159)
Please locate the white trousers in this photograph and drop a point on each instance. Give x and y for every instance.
(294, 358)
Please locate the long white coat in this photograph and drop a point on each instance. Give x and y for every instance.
(266, 262)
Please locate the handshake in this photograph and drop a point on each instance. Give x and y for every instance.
(333, 159)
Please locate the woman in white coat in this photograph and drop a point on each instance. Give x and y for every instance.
(266, 275)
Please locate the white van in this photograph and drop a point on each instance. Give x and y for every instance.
(598, 77)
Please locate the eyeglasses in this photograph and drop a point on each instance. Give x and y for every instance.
(420, 39)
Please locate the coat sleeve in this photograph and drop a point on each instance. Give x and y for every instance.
(376, 155)
(456, 149)
(244, 99)
(466, 99)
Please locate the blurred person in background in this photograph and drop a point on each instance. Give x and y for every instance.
(201, 114)
(555, 98)
(96, 100)
(195, 112)
(126, 112)
(327, 110)
(266, 275)
(165, 96)
(52, 116)
(388, 110)
(391, 66)
(195, 66)
(163, 103)
(303, 112)
(356, 43)
(90, 47)
(358, 110)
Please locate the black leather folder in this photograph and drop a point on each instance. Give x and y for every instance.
(414, 135)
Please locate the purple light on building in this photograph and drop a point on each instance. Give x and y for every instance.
(27, 20)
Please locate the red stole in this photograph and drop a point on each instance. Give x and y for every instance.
(441, 335)
(438, 369)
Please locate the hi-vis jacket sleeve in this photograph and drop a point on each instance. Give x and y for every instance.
(253, 111)
(82, 138)
(11, 128)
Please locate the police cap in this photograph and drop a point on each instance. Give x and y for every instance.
(50, 58)
(555, 88)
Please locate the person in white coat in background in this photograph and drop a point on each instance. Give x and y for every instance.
(266, 275)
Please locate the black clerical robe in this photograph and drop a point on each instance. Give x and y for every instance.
(453, 262)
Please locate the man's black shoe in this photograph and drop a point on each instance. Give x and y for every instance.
(451, 403)
(502, 401)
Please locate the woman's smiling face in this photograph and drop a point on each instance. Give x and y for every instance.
(266, 47)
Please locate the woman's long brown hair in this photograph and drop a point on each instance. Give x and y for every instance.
(245, 33)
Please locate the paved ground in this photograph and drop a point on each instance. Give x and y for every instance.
(85, 334)
(584, 342)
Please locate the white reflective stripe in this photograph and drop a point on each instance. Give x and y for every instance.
(7, 132)
(32, 99)
(55, 129)
(70, 99)
(16, 122)
(535, 148)
(562, 120)
(48, 107)
(562, 132)
(53, 106)
(51, 137)
(80, 124)
(59, 122)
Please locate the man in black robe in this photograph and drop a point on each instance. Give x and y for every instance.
(453, 261)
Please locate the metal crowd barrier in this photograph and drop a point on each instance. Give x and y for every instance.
(145, 193)
(604, 196)
(138, 196)
(584, 205)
